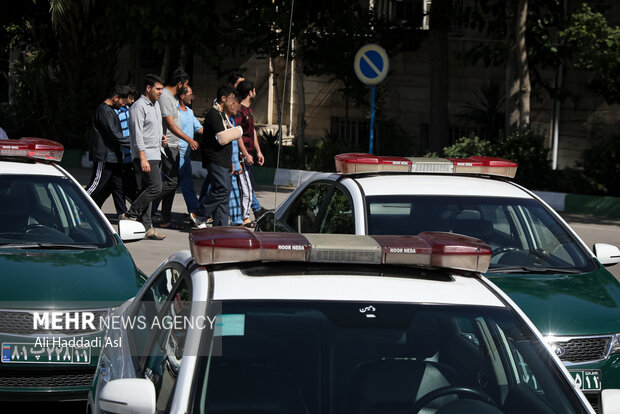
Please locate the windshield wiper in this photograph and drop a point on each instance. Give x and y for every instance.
(50, 246)
(530, 269)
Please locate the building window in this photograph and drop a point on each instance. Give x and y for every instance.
(404, 13)
(352, 130)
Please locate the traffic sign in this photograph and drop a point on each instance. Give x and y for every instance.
(371, 64)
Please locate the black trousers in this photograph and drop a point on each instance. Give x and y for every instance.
(215, 203)
(149, 189)
(170, 182)
(106, 179)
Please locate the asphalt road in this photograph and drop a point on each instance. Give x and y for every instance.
(149, 254)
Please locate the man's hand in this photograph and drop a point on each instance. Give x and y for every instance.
(193, 144)
(261, 159)
(164, 140)
(144, 164)
(249, 160)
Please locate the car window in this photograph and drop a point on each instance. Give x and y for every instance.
(338, 217)
(314, 357)
(166, 353)
(150, 305)
(303, 213)
(521, 232)
(44, 209)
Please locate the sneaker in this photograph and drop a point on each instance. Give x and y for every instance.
(151, 234)
(197, 221)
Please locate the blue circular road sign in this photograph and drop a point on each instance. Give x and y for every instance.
(371, 64)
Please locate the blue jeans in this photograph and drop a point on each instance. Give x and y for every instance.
(186, 183)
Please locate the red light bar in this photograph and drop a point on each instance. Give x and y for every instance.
(357, 162)
(37, 148)
(218, 245)
(411, 250)
(353, 163)
(456, 251)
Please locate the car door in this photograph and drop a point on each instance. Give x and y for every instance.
(158, 349)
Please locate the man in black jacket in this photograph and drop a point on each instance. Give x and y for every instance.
(106, 152)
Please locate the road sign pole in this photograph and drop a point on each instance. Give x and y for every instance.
(372, 118)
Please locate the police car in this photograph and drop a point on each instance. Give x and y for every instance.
(538, 260)
(59, 256)
(310, 323)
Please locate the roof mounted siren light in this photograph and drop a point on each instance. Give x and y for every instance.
(354, 163)
(218, 245)
(34, 148)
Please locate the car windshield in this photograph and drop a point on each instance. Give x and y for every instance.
(523, 235)
(46, 212)
(348, 357)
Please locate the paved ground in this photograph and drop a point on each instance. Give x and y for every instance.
(149, 254)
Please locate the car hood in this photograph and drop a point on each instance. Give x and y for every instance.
(581, 304)
(47, 277)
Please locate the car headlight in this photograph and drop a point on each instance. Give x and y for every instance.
(615, 344)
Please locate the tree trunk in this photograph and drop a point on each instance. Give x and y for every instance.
(513, 83)
(438, 39)
(301, 106)
(165, 64)
(522, 64)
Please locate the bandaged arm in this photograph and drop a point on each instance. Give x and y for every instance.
(227, 136)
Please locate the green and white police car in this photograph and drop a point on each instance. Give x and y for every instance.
(538, 260)
(322, 323)
(59, 256)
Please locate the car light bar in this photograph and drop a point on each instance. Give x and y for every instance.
(218, 245)
(353, 163)
(37, 148)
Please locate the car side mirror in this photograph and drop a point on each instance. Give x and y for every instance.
(128, 395)
(265, 222)
(607, 254)
(610, 401)
(130, 230)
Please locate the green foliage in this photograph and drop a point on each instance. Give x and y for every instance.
(527, 148)
(486, 112)
(466, 147)
(595, 48)
(524, 146)
(601, 165)
(66, 63)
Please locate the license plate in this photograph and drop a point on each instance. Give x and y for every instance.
(29, 353)
(587, 380)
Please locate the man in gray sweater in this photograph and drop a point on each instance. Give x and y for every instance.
(146, 133)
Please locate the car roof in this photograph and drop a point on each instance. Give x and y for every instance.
(426, 184)
(233, 284)
(29, 168)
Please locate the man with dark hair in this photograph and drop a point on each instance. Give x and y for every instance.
(235, 77)
(219, 132)
(190, 126)
(106, 151)
(170, 112)
(245, 119)
(145, 127)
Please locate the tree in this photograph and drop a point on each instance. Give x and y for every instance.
(439, 74)
(326, 39)
(594, 46)
(64, 63)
